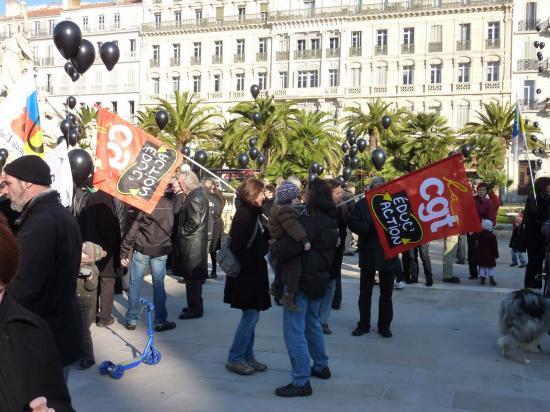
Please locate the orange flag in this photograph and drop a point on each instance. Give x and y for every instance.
(131, 165)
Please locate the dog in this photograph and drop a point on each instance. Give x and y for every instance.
(524, 320)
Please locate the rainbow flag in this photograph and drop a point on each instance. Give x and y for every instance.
(20, 131)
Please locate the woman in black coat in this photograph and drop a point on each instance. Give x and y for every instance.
(30, 364)
(249, 291)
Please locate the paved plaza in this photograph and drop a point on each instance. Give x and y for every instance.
(442, 357)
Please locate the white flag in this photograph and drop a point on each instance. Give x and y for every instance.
(62, 177)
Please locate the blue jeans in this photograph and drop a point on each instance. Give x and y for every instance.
(158, 270)
(242, 348)
(304, 338)
(516, 255)
(326, 302)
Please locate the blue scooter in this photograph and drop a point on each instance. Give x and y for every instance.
(150, 356)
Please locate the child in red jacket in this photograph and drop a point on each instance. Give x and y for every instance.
(487, 252)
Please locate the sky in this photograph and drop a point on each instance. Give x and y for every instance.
(38, 2)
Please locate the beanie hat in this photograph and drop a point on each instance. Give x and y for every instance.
(30, 169)
(486, 224)
(287, 191)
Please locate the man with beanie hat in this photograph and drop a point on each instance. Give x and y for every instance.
(50, 253)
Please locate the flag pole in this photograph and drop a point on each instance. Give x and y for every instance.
(219, 179)
(522, 135)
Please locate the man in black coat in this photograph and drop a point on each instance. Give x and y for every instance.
(51, 247)
(371, 260)
(192, 243)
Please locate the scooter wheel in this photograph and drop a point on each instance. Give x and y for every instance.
(117, 372)
(153, 357)
(105, 366)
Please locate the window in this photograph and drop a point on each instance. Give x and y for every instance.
(302, 80)
(381, 37)
(314, 78)
(198, 16)
(435, 74)
(435, 38)
(49, 83)
(101, 22)
(462, 114)
(528, 91)
(219, 14)
(333, 78)
(308, 78)
(217, 82)
(436, 3)
(240, 82)
(301, 44)
(464, 32)
(51, 24)
(99, 43)
(531, 15)
(114, 105)
(158, 20)
(218, 48)
(36, 28)
(408, 72)
(132, 47)
(408, 35)
(85, 23)
(356, 39)
(175, 84)
(464, 73)
(381, 75)
(156, 86)
(493, 70)
(283, 78)
(156, 52)
(315, 44)
(262, 81)
(197, 49)
(493, 32)
(240, 47)
(117, 20)
(196, 84)
(177, 18)
(132, 107)
(334, 43)
(242, 13)
(262, 45)
(176, 50)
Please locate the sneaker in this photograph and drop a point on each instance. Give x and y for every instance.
(326, 329)
(240, 368)
(288, 302)
(492, 281)
(481, 281)
(322, 374)
(513, 264)
(165, 326)
(291, 391)
(130, 326)
(399, 285)
(258, 366)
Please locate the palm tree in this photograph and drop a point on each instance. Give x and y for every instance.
(86, 118)
(363, 122)
(272, 132)
(189, 120)
(489, 159)
(426, 139)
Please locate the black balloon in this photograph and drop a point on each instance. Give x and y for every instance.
(534, 138)
(61, 139)
(350, 133)
(256, 118)
(75, 76)
(261, 159)
(201, 157)
(253, 153)
(541, 45)
(71, 101)
(3, 161)
(340, 179)
(538, 27)
(71, 118)
(254, 90)
(311, 177)
(466, 149)
(539, 91)
(354, 163)
(536, 124)
(69, 68)
(541, 69)
(540, 56)
(85, 57)
(386, 122)
(352, 140)
(378, 158)
(539, 162)
(4, 152)
(82, 166)
(252, 142)
(536, 44)
(243, 160)
(347, 160)
(535, 152)
(346, 173)
(67, 37)
(320, 170)
(72, 138)
(161, 117)
(186, 151)
(345, 147)
(361, 145)
(109, 54)
(353, 150)
(526, 121)
(64, 126)
(313, 167)
(540, 151)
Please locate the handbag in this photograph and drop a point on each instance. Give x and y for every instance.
(227, 260)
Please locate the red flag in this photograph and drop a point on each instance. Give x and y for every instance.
(131, 165)
(431, 203)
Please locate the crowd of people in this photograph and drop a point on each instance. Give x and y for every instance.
(73, 262)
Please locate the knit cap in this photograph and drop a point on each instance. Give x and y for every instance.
(287, 191)
(30, 168)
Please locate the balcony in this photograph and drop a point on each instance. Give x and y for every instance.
(238, 58)
(435, 47)
(217, 59)
(282, 55)
(215, 96)
(492, 43)
(238, 94)
(44, 61)
(355, 51)
(434, 87)
(381, 50)
(261, 57)
(492, 85)
(154, 63)
(407, 48)
(525, 65)
(42, 32)
(333, 52)
(307, 54)
(462, 86)
(407, 88)
(380, 89)
(195, 60)
(528, 25)
(527, 104)
(463, 45)
(174, 61)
